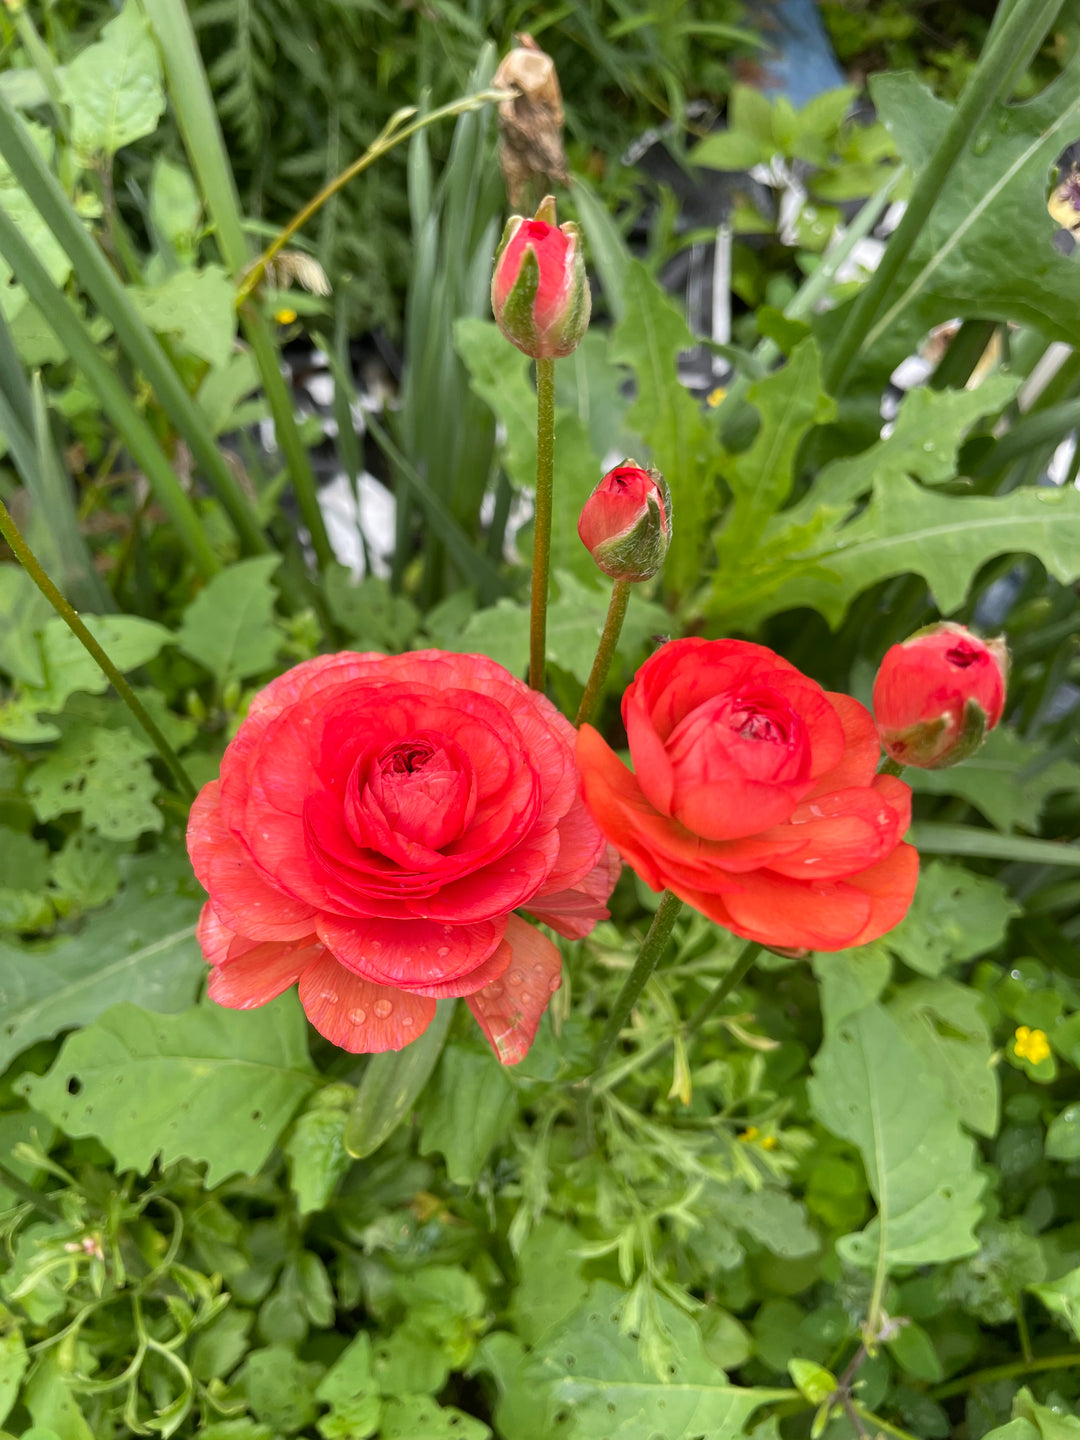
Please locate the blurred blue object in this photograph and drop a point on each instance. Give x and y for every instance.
(801, 63)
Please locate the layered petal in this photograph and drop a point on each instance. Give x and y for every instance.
(509, 1009)
(358, 1016)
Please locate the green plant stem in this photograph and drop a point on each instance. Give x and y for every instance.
(1028, 21)
(10, 1181)
(652, 948)
(189, 91)
(889, 766)
(882, 1424)
(605, 653)
(545, 475)
(393, 133)
(1010, 1371)
(716, 997)
(29, 561)
(966, 349)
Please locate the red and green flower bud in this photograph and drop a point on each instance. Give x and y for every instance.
(539, 290)
(938, 694)
(626, 522)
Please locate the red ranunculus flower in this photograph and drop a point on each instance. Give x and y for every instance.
(377, 821)
(938, 695)
(754, 798)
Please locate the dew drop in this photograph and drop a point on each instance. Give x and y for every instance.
(357, 1016)
(407, 1022)
(554, 983)
(383, 1008)
(493, 990)
(539, 970)
(443, 951)
(330, 996)
(516, 978)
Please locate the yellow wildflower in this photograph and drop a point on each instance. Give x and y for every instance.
(1031, 1045)
(769, 1143)
(285, 316)
(715, 396)
(749, 1134)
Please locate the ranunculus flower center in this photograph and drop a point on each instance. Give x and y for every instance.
(963, 655)
(422, 788)
(759, 735)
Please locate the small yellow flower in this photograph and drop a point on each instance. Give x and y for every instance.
(285, 316)
(714, 398)
(769, 1143)
(1031, 1045)
(749, 1134)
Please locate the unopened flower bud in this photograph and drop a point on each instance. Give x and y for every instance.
(626, 522)
(539, 291)
(938, 695)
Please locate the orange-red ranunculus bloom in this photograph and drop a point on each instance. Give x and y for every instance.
(754, 798)
(378, 821)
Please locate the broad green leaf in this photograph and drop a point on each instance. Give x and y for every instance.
(197, 307)
(85, 873)
(175, 207)
(730, 150)
(907, 530)
(1008, 780)
(53, 1404)
(1062, 1298)
(850, 980)
(281, 1389)
(575, 623)
(987, 249)
(870, 1086)
(1050, 1423)
(140, 948)
(649, 339)
(1063, 1135)
(467, 1108)
(590, 1373)
(32, 227)
(550, 1282)
(350, 1389)
(774, 1219)
(114, 86)
(25, 611)
(945, 1023)
(103, 774)
(789, 403)
(208, 1084)
(13, 1363)
(229, 626)
(419, 1417)
(316, 1148)
(955, 916)
(391, 1084)
(370, 612)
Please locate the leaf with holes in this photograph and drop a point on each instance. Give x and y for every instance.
(955, 916)
(208, 1084)
(946, 1024)
(871, 1087)
(102, 774)
(141, 948)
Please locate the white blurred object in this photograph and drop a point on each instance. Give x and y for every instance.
(377, 519)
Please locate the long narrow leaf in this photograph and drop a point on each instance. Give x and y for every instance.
(135, 432)
(138, 340)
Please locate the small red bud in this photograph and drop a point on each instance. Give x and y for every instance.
(626, 522)
(539, 289)
(938, 694)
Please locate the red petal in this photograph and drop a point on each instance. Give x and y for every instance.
(891, 887)
(358, 1016)
(412, 953)
(575, 911)
(612, 794)
(777, 911)
(509, 1010)
(581, 847)
(862, 748)
(844, 833)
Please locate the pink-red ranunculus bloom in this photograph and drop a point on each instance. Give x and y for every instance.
(754, 798)
(377, 822)
(938, 694)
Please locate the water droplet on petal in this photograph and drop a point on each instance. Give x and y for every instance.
(516, 977)
(330, 996)
(383, 1008)
(443, 951)
(407, 1022)
(492, 990)
(554, 983)
(357, 1016)
(539, 970)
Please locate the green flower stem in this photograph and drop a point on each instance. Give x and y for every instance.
(886, 1425)
(545, 475)
(1027, 22)
(652, 948)
(29, 561)
(891, 767)
(609, 638)
(1013, 1370)
(716, 997)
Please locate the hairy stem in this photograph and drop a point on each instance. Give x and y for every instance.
(605, 653)
(30, 563)
(652, 948)
(545, 474)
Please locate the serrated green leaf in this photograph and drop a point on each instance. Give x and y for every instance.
(281, 1389)
(870, 1087)
(649, 339)
(419, 1417)
(945, 1023)
(391, 1084)
(349, 1388)
(369, 611)
(468, 1106)
(1062, 1298)
(1007, 779)
(141, 948)
(955, 916)
(774, 1218)
(114, 86)
(102, 774)
(198, 307)
(208, 1084)
(229, 626)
